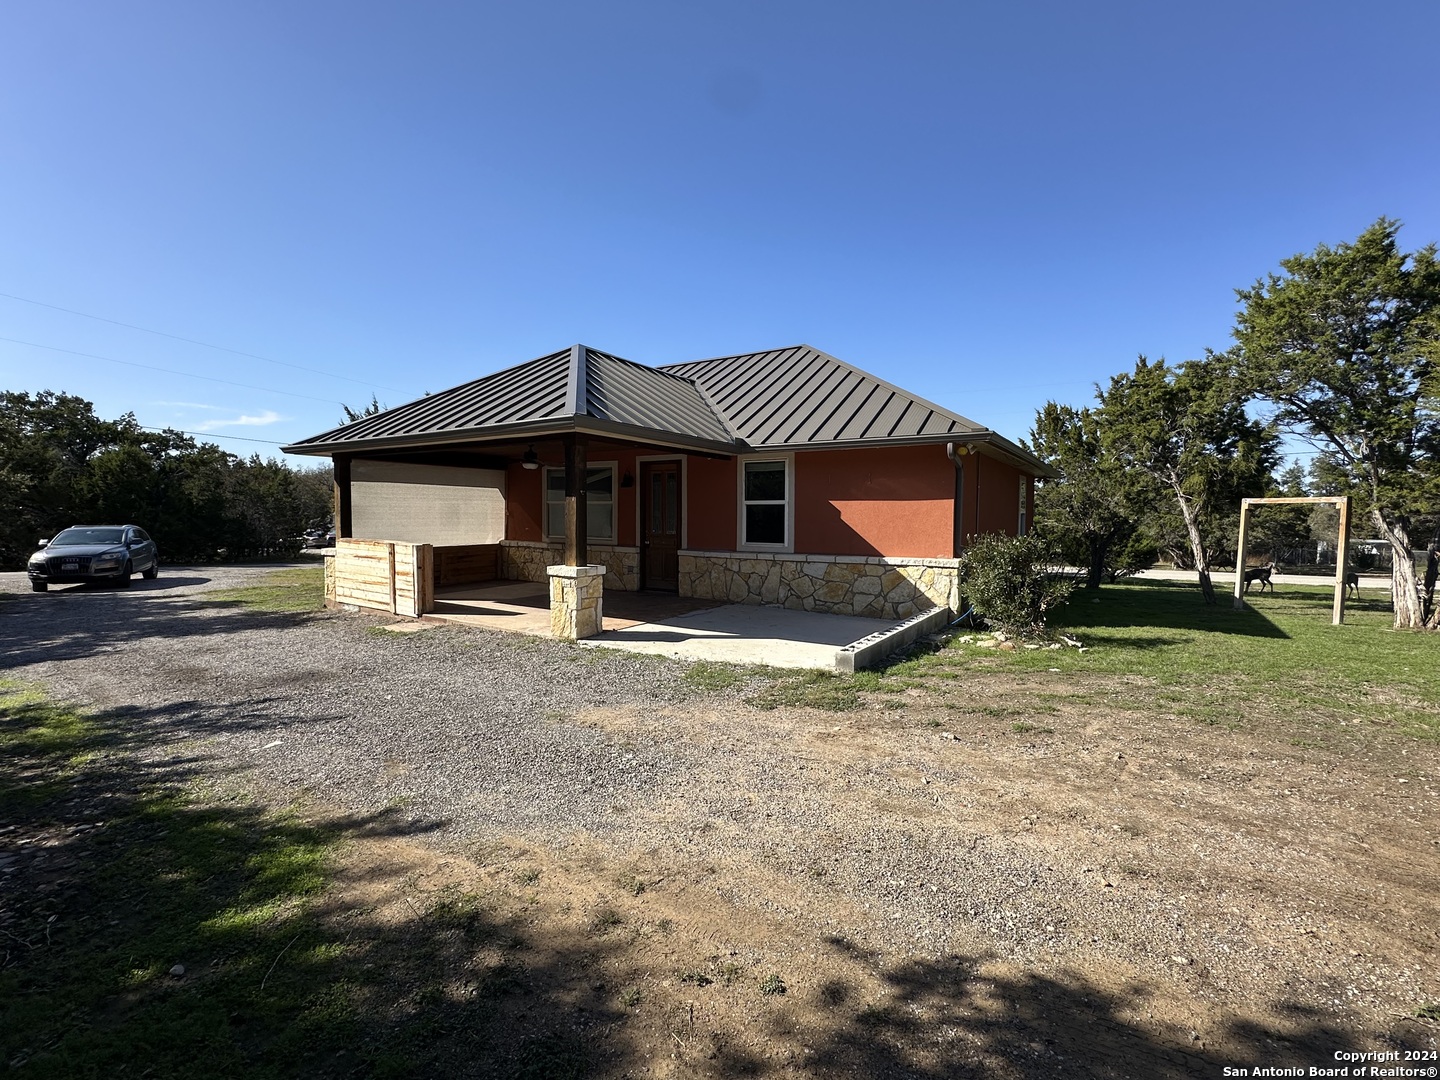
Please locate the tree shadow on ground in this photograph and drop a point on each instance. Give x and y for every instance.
(1164, 605)
(955, 1017)
(147, 931)
(104, 622)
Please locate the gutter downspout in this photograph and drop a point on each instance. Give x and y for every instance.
(957, 457)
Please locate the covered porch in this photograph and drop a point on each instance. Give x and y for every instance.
(694, 629)
(555, 521)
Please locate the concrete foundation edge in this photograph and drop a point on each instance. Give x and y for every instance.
(869, 651)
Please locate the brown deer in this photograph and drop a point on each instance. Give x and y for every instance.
(1262, 575)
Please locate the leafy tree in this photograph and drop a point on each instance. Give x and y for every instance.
(46, 444)
(373, 409)
(1091, 513)
(62, 465)
(1186, 428)
(1346, 349)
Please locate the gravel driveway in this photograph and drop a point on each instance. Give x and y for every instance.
(877, 829)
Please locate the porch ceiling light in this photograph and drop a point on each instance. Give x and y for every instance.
(531, 460)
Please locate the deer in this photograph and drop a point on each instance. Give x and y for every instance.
(1262, 575)
(1352, 584)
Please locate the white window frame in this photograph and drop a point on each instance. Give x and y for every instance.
(741, 544)
(613, 467)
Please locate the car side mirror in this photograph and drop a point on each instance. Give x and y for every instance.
(44, 543)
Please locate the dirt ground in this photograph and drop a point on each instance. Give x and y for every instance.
(1182, 900)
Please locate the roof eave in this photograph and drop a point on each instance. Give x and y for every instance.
(529, 429)
(994, 444)
(1001, 447)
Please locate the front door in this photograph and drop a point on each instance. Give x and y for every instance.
(660, 525)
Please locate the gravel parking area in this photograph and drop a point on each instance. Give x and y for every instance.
(1167, 925)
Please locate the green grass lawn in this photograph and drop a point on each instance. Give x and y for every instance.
(1279, 655)
(295, 589)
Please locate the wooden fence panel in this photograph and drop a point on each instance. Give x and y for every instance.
(467, 564)
(386, 575)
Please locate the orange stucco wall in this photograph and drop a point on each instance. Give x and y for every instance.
(525, 500)
(996, 495)
(890, 501)
(887, 501)
(523, 509)
(710, 504)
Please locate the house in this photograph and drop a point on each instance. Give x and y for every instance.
(780, 477)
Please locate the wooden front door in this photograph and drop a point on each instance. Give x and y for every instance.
(660, 525)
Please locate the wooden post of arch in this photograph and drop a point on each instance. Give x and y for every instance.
(1342, 554)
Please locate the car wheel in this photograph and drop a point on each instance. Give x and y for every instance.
(125, 576)
(39, 586)
(149, 575)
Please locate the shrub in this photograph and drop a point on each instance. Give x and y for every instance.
(1012, 582)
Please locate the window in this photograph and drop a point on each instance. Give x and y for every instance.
(1024, 506)
(765, 504)
(599, 501)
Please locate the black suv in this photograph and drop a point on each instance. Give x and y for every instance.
(93, 553)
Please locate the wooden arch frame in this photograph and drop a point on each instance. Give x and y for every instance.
(1342, 552)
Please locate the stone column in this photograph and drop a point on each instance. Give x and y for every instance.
(576, 595)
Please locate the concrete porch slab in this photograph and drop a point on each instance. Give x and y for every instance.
(523, 607)
(745, 634)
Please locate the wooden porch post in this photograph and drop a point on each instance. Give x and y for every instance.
(343, 527)
(577, 517)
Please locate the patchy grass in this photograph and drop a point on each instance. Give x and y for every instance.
(814, 690)
(711, 675)
(289, 590)
(142, 919)
(772, 985)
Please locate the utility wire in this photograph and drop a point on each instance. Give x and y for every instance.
(193, 341)
(209, 434)
(168, 371)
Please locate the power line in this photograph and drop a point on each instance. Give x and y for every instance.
(193, 341)
(208, 434)
(168, 371)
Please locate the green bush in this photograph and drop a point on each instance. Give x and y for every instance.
(1012, 582)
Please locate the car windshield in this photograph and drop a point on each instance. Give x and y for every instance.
(71, 537)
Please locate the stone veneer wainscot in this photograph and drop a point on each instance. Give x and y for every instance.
(527, 560)
(872, 586)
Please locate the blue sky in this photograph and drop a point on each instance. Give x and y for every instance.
(989, 205)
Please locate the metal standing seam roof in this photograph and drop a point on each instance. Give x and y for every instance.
(616, 391)
(794, 397)
(801, 396)
(625, 392)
